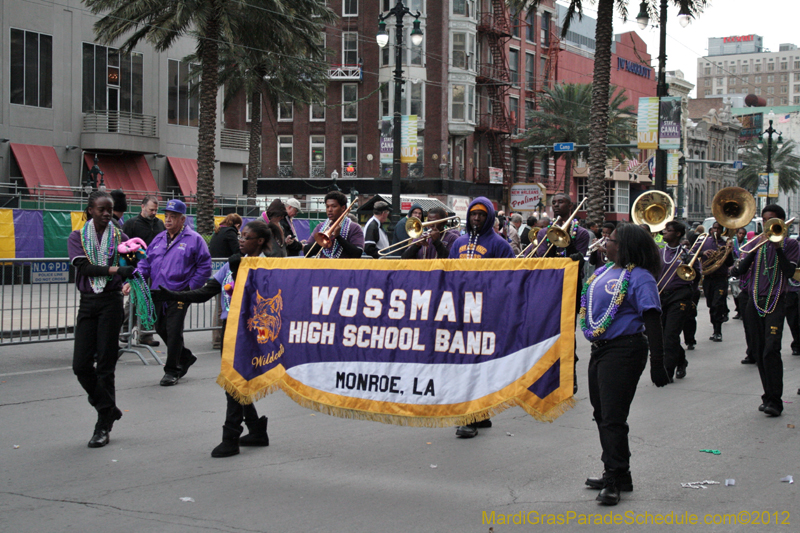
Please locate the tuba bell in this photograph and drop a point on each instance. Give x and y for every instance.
(654, 208)
(733, 208)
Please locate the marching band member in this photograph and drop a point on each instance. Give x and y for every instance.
(619, 305)
(93, 253)
(598, 257)
(347, 240)
(676, 297)
(258, 239)
(480, 242)
(768, 270)
(439, 241)
(715, 284)
(375, 238)
(739, 240)
(744, 294)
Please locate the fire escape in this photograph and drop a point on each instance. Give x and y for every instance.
(551, 45)
(494, 124)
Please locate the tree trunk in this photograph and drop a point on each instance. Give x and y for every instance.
(254, 161)
(209, 55)
(600, 93)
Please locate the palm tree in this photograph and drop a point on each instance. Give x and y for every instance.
(564, 115)
(215, 21)
(784, 162)
(601, 79)
(299, 74)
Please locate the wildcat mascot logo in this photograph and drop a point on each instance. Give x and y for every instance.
(266, 317)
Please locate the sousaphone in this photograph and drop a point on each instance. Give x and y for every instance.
(654, 208)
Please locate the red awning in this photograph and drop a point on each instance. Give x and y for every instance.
(41, 169)
(185, 171)
(127, 172)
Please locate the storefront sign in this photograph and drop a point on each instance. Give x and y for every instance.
(634, 68)
(738, 39)
(525, 196)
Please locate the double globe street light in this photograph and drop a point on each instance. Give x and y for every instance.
(398, 12)
(767, 134)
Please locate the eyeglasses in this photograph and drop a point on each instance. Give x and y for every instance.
(243, 238)
(609, 239)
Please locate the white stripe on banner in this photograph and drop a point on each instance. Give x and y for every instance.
(413, 381)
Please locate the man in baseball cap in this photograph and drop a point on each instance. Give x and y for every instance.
(178, 260)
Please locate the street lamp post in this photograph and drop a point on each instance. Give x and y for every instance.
(767, 134)
(91, 181)
(662, 89)
(398, 12)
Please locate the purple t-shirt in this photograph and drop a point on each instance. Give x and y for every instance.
(669, 266)
(355, 235)
(75, 251)
(642, 296)
(769, 266)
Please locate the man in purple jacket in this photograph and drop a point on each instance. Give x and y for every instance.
(178, 260)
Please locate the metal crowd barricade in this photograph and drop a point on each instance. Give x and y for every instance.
(39, 303)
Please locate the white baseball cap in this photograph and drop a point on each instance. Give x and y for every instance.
(293, 202)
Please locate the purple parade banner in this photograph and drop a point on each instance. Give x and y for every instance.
(418, 342)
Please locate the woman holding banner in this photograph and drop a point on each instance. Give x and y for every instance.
(258, 239)
(621, 312)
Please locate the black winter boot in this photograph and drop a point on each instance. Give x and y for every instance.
(257, 435)
(230, 443)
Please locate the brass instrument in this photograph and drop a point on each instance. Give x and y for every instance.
(324, 239)
(653, 208)
(775, 230)
(559, 235)
(533, 235)
(686, 272)
(733, 208)
(414, 225)
(597, 244)
(713, 262)
(414, 228)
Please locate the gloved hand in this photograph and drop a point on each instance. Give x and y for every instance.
(576, 256)
(164, 295)
(658, 373)
(234, 261)
(125, 272)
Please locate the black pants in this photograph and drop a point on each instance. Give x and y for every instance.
(614, 372)
(235, 412)
(790, 303)
(765, 338)
(170, 327)
(716, 290)
(676, 306)
(743, 299)
(96, 332)
(690, 324)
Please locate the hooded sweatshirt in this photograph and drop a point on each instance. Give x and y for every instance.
(400, 229)
(489, 243)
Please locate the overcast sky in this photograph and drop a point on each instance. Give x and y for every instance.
(772, 19)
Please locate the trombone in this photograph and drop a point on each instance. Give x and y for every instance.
(686, 272)
(559, 235)
(414, 227)
(775, 230)
(533, 236)
(325, 239)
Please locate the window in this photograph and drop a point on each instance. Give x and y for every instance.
(757, 91)
(758, 79)
(349, 155)
(183, 104)
(797, 65)
(530, 107)
(543, 72)
(530, 26)
(285, 156)
(514, 18)
(285, 111)
(758, 67)
(797, 88)
(460, 50)
(459, 97)
(707, 82)
(530, 74)
(784, 65)
(384, 97)
(545, 33)
(513, 111)
(350, 8)
(623, 196)
(414, 51)
(770, 66)
(417, 170)
(707, 70)
(732, 80)
(784, 101)
(349, 48)
(514, 163)
(770, 90)
(797, 76)
(770, 78)
(720, 81)
(463, 7)
(317, 156)
(732, 68)
(719, 91)
(513, 65)
(770, 101)
(745, 68)
(784, 89)
(796, 100)
(416, 100)
(110, 81)
(784, 77)
(317, 111)
(471, 103)
(31, 69)
(349, 101)
(707, 92)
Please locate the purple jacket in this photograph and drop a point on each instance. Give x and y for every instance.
(489, 245)
(185, 265)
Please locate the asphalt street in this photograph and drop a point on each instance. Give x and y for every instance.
(326, 474)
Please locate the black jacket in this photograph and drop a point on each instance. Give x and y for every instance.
(144, 228)
(294, 248)
(224, 243)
